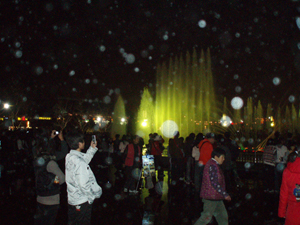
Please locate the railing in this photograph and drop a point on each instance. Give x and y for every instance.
(252, 157)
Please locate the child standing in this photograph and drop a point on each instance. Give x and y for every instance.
(213, 190)
(82, 186)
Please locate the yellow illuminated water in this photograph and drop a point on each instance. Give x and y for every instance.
(184, 94)
(119, 118)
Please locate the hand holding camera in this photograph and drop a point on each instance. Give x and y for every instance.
(94, 141)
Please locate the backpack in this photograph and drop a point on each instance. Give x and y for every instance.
(196, 151)
(45, 185)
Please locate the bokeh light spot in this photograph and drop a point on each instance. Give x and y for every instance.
(169, 128)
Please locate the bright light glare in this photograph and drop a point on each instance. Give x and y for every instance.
(225, 121)
(6, 105)
(169, 128)
(98, 119)
(144, 124)
(123, 120)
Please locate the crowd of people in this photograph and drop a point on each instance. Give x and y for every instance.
(55, 161)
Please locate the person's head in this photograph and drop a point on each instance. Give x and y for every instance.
(199, 137)
(136, 139)
(220, 138)
(210, 137)
(277, 134)
(75, 140)
(123, 137)
(43, 144)
(219, 155)
(117, 136)
(293, 155)
(176, 134)
(192, 136)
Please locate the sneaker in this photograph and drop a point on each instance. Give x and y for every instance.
(126, 190)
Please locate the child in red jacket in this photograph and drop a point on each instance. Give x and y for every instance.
(289, 207)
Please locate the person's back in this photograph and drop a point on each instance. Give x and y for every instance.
(48, 177)
(174, 148)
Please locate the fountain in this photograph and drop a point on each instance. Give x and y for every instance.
(185, 100)
(119, 124)
(185, 97)
(145, 120)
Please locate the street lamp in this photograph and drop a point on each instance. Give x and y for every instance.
(6, 106)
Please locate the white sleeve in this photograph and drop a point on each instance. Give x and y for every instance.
(89, 154)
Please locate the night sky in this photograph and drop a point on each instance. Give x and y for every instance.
(74, 50)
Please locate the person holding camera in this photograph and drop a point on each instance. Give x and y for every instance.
(82, 187)
(48, 178)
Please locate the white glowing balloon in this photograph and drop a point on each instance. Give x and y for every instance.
(276, 80)
(298, 22)
(237, 103)
(292, 98)
(130, 58)
(140, 133)
(238, 89)
(102, 48)
(107, 99)
(202, 23)
(225, 121)
(169, 128)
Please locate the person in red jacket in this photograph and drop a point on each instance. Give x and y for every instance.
(156, 150)
(289, 207)
(205, 148)
(132, 163)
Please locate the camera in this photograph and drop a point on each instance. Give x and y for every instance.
(94, 138)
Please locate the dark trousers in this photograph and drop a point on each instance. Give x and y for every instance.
(80, 214)
(177, 168)
(228, 174)
(131, 177)
(279, 167)
(45, 214)
(198, 177)
(268, 175)
(159, 167)
(189, 174)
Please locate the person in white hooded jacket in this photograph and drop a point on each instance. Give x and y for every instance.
(82, 186)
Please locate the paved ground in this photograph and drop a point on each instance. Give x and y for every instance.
(173, 205)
